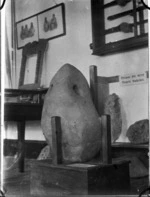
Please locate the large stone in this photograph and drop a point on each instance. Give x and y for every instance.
(139, 132)
(69, 98)
(112, 107)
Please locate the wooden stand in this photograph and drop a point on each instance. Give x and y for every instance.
(51, 180)
(54, 178)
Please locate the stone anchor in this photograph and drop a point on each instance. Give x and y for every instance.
(69, 98)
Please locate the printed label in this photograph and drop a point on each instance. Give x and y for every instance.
(133, 79)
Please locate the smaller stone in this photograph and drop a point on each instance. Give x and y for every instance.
(112, 107)
(45, 153)
(137, 168)
(139, 132)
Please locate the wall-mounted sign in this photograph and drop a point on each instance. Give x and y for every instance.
(133, 79)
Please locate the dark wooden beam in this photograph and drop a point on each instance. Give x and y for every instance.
(93, 85)
(106, 139)
(56, 140)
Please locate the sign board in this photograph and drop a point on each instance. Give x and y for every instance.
(133, 79)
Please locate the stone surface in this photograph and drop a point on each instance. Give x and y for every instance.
(137, 168)
(69, 98)
(45, 153)
(139, 132)
(138, 164)
(112, 107)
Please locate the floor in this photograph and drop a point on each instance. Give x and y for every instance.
(18, 184)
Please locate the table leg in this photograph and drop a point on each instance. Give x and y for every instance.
(21, 136)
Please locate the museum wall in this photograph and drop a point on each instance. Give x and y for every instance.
(74, 48)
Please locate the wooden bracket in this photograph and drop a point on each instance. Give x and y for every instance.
(93, 85)
(106, 139)
(56, 140)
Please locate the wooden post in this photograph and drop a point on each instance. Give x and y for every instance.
(21, 136)
(93, 85)
(106, 139)
(141, 19)
(135, 18)
(56, 140)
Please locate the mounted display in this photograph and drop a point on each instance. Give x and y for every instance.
(118, 25)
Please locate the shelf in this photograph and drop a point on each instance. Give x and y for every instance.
(129, 145)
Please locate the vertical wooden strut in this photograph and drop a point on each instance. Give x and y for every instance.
(106, 139)
(93, 85)
(56, 140)
(135, 18)
(141, 19)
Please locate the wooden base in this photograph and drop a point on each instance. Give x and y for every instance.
(47, 179)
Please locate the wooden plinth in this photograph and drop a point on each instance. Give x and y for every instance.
(47, 179)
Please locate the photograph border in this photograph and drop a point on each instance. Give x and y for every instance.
(19, 46)
(62, 5)
(63, 20)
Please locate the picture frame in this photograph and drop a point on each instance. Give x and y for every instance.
(125, 30)
(27, 31)
(31, 64)
(51, 22)
(48, 24)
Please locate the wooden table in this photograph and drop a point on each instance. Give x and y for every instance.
(22, 112)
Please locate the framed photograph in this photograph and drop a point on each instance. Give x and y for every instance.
(27, 31)
(31, 65)
(52, 22)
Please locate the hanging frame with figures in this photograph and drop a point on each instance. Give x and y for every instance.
(52, 22)
(48, 24)
(27, 31)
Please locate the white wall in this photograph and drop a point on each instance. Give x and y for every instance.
(74, 48)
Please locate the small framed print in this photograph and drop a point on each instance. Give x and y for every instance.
(27, 31)
(31, 64)
(52, 22)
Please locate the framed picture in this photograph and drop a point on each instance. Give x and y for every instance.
(52, 22)
(31, 65)
(27, 31)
